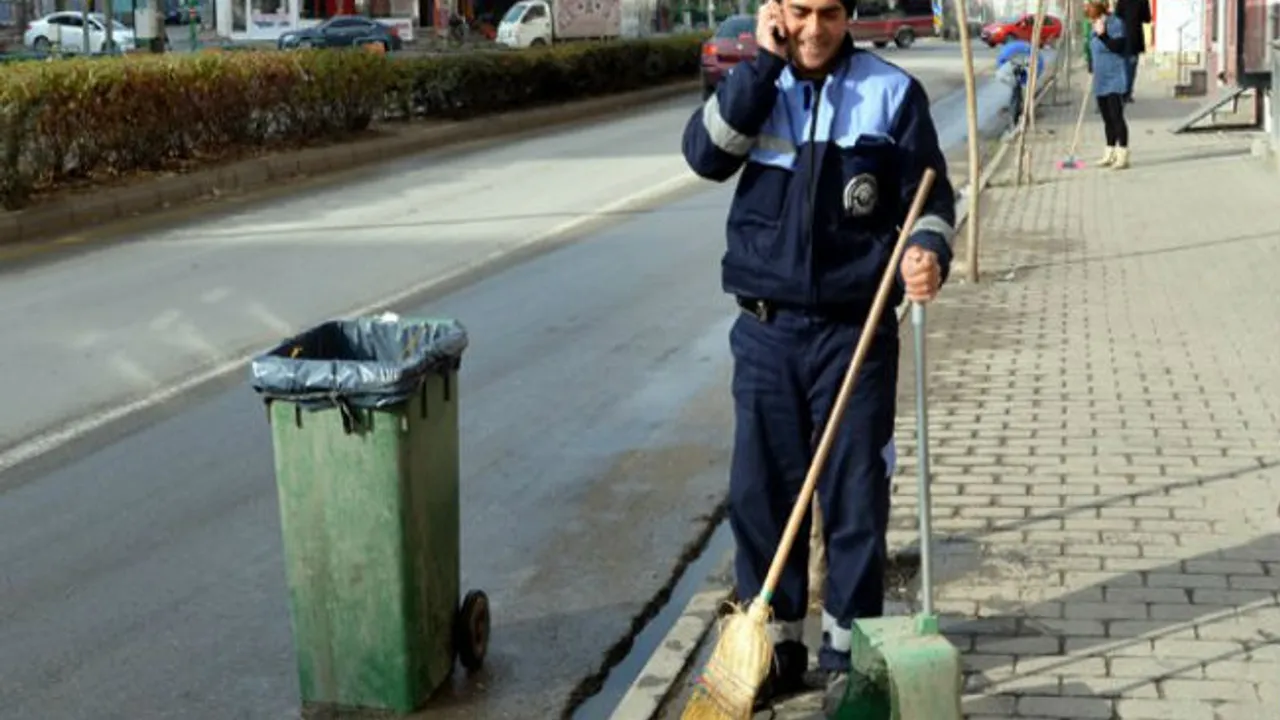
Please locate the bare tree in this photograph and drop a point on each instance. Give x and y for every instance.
(24, 14)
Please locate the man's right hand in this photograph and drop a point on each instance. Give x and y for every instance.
(770, 32)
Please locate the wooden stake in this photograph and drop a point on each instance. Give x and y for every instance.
(1028, 117)
(1068, 46)
(975, 170)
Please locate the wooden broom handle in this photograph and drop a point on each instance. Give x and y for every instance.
(846, 389)
(1084, 103)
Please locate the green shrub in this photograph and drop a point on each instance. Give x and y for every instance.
(465, 85)
(78, 119)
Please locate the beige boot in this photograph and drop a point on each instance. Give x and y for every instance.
(1121, 159)
(1108, 157)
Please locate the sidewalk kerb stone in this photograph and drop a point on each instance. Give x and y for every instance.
(656, 680)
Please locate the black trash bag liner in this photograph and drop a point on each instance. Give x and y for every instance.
(368, 362)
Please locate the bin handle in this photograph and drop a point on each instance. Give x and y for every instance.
(350, 418)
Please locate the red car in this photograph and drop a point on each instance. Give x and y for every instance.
(999, 33)
(878, 24)
(734, 42)
(901, 30)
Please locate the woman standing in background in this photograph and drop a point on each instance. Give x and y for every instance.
(1108, 51)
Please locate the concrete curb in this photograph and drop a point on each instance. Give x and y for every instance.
(656, 681)
(87, 209)
(671, 658)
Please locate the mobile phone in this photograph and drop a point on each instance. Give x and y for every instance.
(779, 36)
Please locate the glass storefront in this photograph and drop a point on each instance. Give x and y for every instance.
(259, 19)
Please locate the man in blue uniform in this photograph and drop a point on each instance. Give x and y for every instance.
(831, 142)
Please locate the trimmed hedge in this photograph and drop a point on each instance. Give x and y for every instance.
(80, 119)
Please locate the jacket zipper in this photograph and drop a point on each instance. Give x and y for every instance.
(812, 108)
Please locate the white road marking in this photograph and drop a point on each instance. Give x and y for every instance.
(49, 441)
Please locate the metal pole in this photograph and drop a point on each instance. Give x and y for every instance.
(193, 11)
(975, 169)
(922, 463)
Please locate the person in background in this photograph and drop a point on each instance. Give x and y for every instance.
(1135, 14)
(1110, 68)
(1013, 67)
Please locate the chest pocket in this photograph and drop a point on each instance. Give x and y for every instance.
(868, 181)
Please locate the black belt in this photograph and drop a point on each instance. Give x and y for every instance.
(765, 310)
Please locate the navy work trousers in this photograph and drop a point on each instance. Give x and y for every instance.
(787, 373)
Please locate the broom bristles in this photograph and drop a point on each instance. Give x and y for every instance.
(726, 688)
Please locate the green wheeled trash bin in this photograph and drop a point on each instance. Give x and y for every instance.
(364, 420)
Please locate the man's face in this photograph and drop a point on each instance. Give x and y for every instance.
(815, 30)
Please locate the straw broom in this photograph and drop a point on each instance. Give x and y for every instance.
(727, 687)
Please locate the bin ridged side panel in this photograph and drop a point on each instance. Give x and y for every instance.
(433, 513)
(370, 529)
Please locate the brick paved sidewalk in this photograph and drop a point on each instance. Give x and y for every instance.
(1105, 433)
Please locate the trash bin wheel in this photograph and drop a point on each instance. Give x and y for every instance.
(472, 630)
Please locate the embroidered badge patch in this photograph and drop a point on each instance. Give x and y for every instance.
(861, 195)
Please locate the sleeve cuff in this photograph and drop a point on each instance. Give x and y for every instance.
(770, 66)
(936, 243)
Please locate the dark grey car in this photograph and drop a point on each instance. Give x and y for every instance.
(342, 31)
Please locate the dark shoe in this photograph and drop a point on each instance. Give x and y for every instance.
(787, 675)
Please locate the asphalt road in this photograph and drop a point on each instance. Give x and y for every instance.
(140, 567)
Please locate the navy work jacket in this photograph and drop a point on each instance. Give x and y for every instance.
(829, 171)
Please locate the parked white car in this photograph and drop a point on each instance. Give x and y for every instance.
(66, 31)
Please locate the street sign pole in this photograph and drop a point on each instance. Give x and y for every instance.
(192, 16)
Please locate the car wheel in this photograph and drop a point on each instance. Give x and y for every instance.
(904, 38)
(41, 44)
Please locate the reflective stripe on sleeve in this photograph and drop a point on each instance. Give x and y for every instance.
(722, 133)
